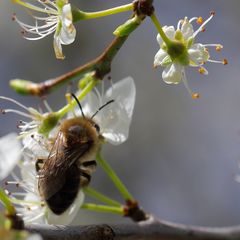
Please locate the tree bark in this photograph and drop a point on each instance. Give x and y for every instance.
(151, 229)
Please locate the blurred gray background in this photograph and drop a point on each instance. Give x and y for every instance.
(182, 155)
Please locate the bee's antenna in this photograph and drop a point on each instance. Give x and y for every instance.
(73, 95)
(104, 105)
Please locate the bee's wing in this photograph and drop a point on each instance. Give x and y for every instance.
(53, 174)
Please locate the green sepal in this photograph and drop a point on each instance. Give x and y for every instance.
(167, 60)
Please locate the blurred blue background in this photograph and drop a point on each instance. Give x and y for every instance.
(182, 155)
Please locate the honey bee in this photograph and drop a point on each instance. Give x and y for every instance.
(69, 165)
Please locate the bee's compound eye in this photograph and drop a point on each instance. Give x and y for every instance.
(97, 127)
(76, 130)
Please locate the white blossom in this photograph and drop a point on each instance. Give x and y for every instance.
(10, 153)
(30, 205)
(58, 19)
(182, 51)
(114, 120)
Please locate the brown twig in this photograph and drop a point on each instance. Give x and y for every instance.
(151, 229)
(100, 65)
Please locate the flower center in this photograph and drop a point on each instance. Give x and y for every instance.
(178, 52)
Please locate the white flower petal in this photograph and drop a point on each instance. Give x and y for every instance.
(115, 120)
(58, 47)
(198, 54)
(68, 216)
(34, 237)
(34, 144)
(159, 57)
(187, 29)
(10, 153)
(66, 36)
(115, 124)
(36, 213)
(28, 173)
(169, 31)
(68, 32)
(172, 74)
(124, 92)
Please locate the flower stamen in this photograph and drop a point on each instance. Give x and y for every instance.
(202, 71)
(199, 20)
(58, 19)
(194, 95)
(30, 6)
(203, 24)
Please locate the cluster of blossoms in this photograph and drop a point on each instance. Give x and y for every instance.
(181, 51)
(178, 49)
(114, 125)
(59, 19)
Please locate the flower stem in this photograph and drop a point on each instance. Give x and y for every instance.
(7, 203)
(116, 180)
(160, 30)
(80, 15)
(103, 208)
(83, 93)
(101, 197)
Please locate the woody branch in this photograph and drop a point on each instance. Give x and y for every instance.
(101, 65)
(151, 229)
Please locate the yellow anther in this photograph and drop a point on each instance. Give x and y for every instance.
(195, 95)
(219, 48)
(202, 70)
(212, 13)
(225, 61)
(199, 20)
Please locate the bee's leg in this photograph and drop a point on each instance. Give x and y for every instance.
(39, 164)
(86, 169)
(85, 178)
(90, 165)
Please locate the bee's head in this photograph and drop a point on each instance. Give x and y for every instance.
(95, 125)
(76, 133)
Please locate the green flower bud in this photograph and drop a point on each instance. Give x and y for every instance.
(21, 86)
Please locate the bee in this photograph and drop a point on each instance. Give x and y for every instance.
(69, 165)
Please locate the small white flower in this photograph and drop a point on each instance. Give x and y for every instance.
(10, 153)
(182, 51)
(114, 124)
(114, 120)
(59, 19)
(31, 207)
(29, 204)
